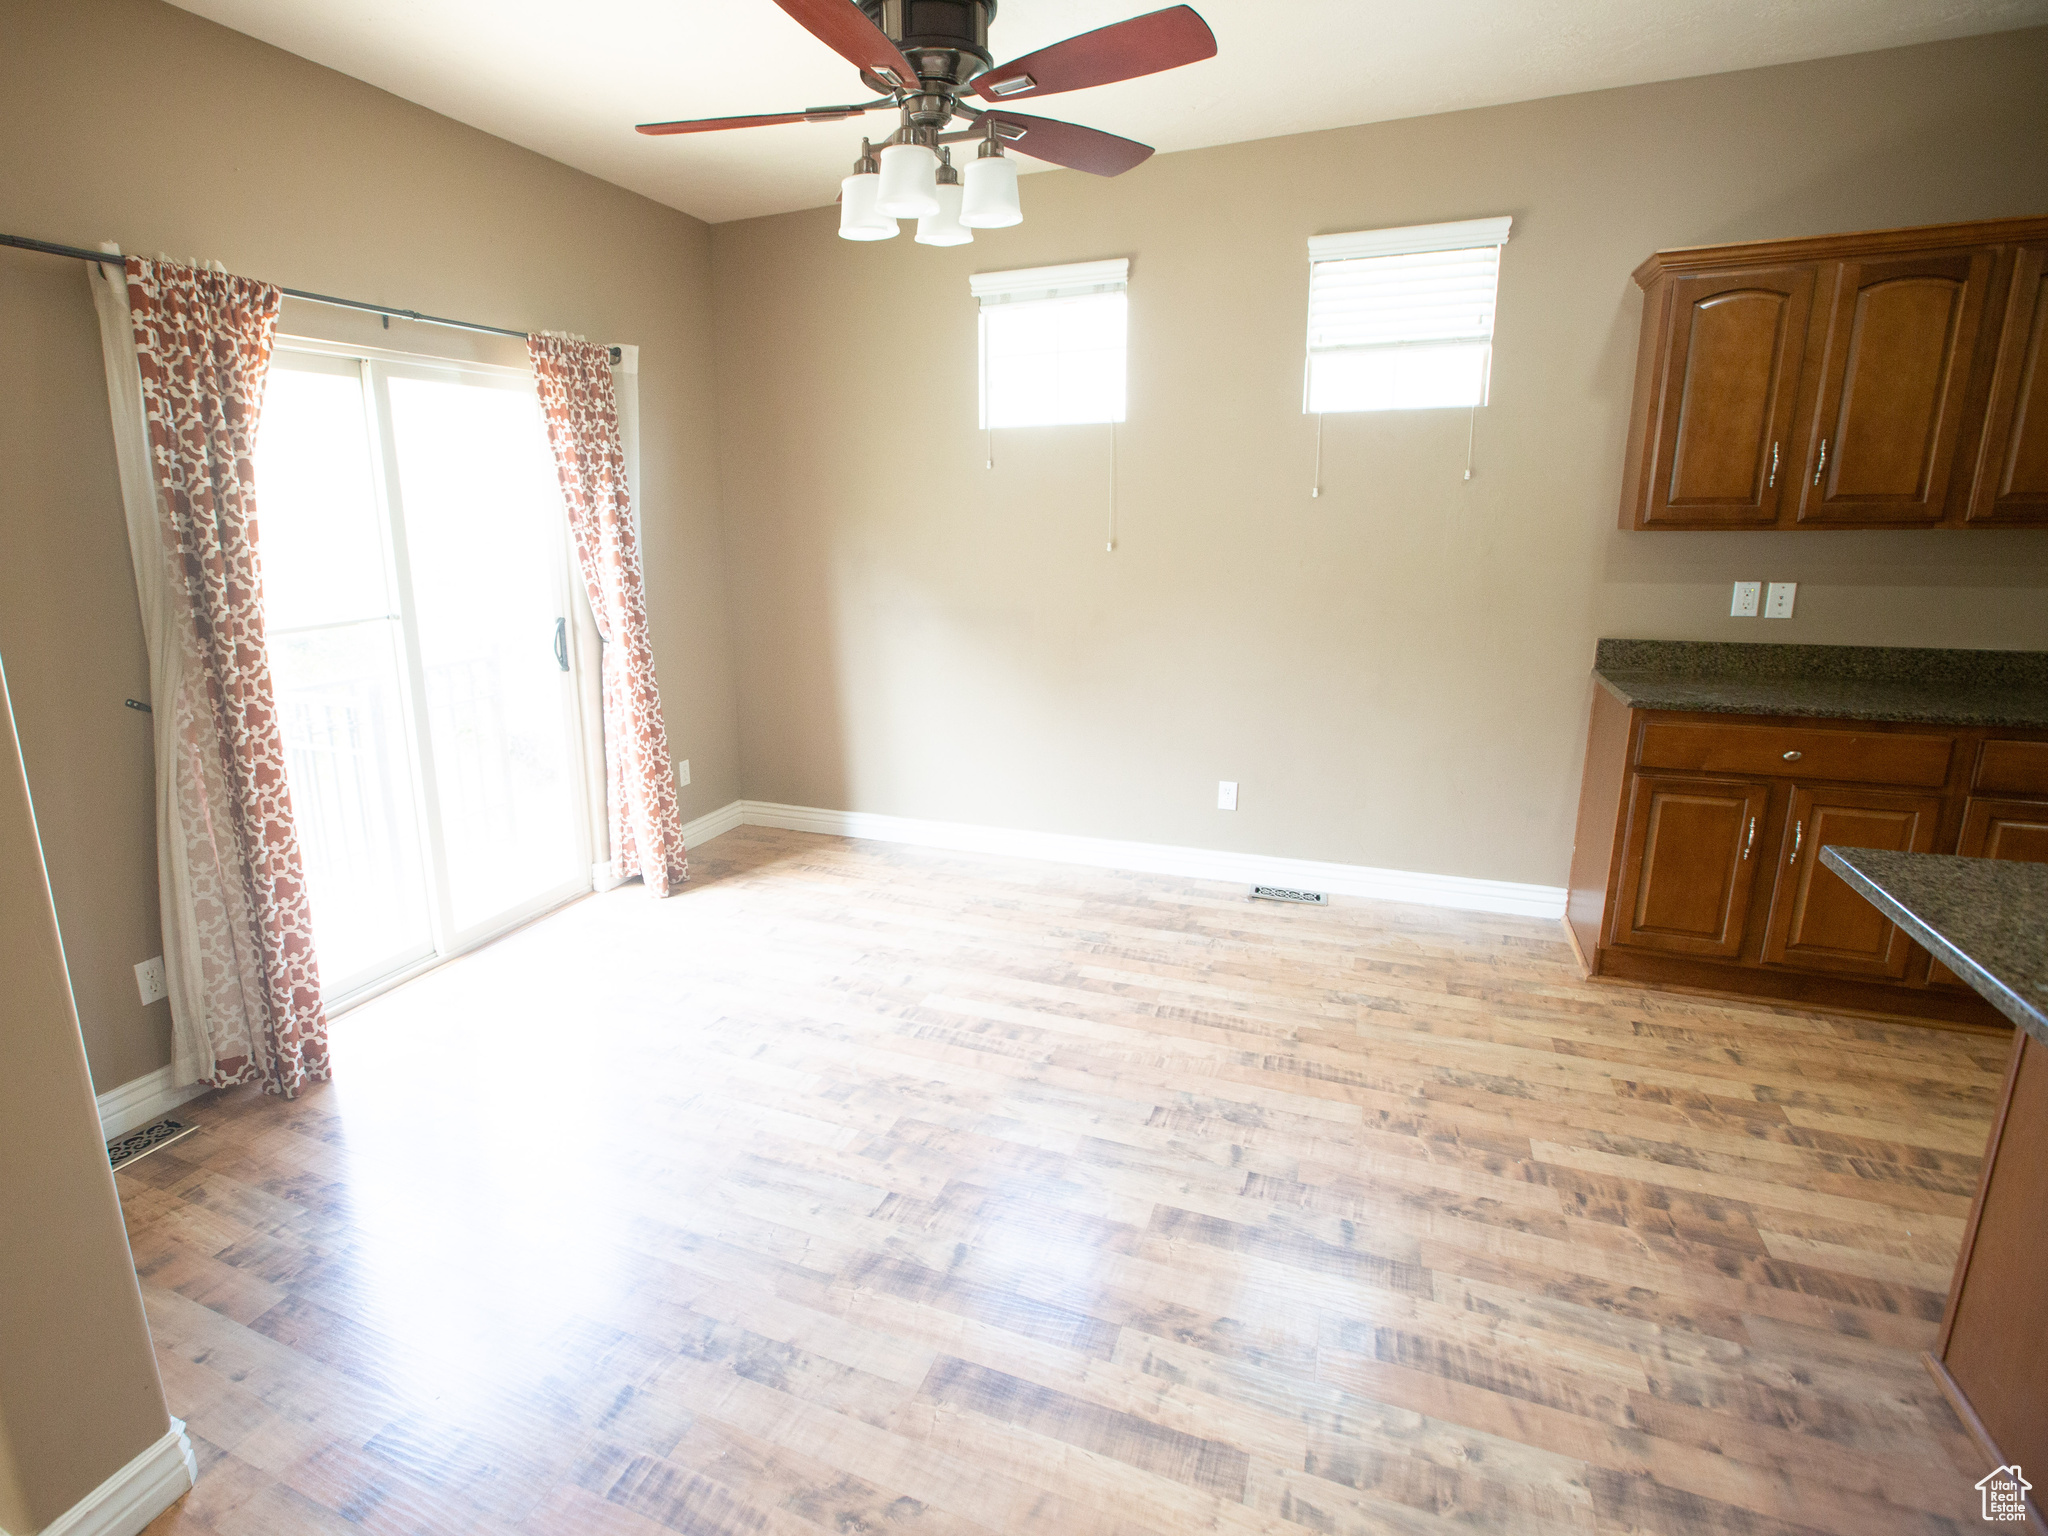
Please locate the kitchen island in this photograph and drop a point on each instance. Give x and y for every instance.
(1987, 921)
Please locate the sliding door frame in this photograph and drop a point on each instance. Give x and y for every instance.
(377, 367)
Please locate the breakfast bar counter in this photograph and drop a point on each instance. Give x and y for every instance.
(1987, 920)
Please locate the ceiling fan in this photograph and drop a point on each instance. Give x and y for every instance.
(926, 57)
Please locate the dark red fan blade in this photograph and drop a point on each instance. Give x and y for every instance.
(1069, 144)
(844, 27)
(1144, 45)
(714, 124)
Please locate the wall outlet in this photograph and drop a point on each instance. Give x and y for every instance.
(1778, 599)
(1226, 794)
(682, 772)
(1744, 605)
(150, 982)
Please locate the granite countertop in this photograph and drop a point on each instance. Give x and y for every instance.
(1842, 682)
(1985, 919)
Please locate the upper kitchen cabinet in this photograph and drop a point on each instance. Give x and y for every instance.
(1882, 380)
(1727, 350)
(2009, 481)
(1901, 336)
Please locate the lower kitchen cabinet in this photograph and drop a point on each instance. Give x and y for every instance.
(2005, 829)
(1697, 862)
(1689, 864)
(1817, 922)
(1996, 828)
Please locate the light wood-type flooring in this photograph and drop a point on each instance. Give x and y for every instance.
(877, 1191)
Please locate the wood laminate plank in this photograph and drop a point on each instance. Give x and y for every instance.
(868, 1190)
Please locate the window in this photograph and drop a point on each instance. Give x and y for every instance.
(415, 585)
(1052, 344)
(1402, 319)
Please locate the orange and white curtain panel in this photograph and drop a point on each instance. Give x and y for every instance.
(187, 354)
(582, 415)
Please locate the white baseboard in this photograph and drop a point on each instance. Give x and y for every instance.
(1458, 891)
(708, 826)
(145, 1099)
(604, 878)
(135, 1495)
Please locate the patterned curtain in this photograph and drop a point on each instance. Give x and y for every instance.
(235, 889)
(575, 379)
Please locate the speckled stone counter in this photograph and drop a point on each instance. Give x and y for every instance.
(1985, 919)
(1842, 682)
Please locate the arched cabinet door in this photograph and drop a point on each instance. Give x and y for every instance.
(1902, 334)
(1722, 454)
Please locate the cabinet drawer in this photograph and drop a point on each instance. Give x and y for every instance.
(2012, 768)
(1856, 757)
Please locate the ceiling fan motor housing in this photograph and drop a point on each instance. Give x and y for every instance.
(945, 40)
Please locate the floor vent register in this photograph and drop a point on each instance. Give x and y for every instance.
(123, 1150)
(1283, 893)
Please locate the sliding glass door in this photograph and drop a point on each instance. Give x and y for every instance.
(415, 591)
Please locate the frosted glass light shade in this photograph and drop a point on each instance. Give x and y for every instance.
(944, 227)
(910, 182)
(991, 200)
(859, 218)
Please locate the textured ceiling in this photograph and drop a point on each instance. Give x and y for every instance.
(569, 81)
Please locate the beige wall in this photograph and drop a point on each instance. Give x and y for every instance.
(1396, 672)
(79, 1396)
(133, 121)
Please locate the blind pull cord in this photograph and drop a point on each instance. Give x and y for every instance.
(1471, 425)
(1109, 546)
(1316, 486)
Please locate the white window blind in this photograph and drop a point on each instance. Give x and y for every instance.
(1402, 319)
(1052, 344)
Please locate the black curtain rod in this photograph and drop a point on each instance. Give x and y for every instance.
(108, 258)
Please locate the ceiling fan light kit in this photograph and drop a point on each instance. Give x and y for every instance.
(910, 181)
(944, 227)
(991, 200)
(926, 57)
(859, 216)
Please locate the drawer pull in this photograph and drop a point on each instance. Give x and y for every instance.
(1793, 757)
(1750, 841)
(1774, 466)
(1798, 837)
(1823, 464)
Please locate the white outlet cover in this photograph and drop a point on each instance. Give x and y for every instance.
(1226, 794)
(682, 772)
(1778, 599)
(150, 982)
(1743, 606)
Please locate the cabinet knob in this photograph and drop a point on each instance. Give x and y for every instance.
(1793, 757)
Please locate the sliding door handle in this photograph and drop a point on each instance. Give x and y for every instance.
(562, 644)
